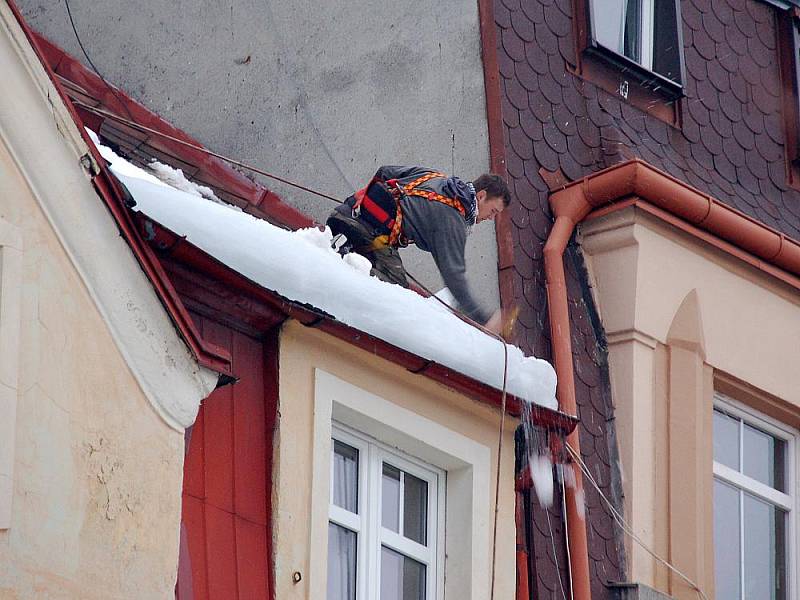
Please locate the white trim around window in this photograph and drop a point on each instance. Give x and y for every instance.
(464, 496)
(785, 499)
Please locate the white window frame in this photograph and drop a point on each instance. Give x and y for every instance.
(785, 501)
(467, 459)
(372, 536)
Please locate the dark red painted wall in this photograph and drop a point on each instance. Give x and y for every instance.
(225, 551)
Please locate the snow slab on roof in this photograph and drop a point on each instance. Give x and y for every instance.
(302, 267)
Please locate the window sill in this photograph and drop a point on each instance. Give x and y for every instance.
(630, 82)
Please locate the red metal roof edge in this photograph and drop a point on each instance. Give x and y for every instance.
(119, 102)
(108, 188)
(192, 256)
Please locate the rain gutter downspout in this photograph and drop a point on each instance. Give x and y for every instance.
(568, 215)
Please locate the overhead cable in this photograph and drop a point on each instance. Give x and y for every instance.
(628, 529)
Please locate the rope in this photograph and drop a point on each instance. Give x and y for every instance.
(628, 529)
(91, 63)
(555, 556)
(143, 128)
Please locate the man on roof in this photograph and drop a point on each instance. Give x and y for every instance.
(415, 205)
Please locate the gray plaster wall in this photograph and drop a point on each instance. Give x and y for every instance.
(320, 92)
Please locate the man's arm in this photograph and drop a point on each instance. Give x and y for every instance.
(447, 245)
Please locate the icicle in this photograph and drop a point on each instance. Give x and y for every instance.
(540, 460)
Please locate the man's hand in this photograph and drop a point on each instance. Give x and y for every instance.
(495, 322)
(503, 323)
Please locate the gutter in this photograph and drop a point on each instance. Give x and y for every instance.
(637, 182)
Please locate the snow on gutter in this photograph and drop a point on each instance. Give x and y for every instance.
(301, 267)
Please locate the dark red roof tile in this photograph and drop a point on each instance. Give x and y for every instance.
(713, 26)
(704, 45)
(532, 127)
(748, 180)
(515, 93)
(502, 16)
(767, 34)
(521, 144)
(737, 41)
(722, 11)
(534, 11)
(539, 106)
(744, 135)
(524, 27)
(744, 21)
(512, 44)
(546, 39)
(557, 21)
(528, 78)
(691, 16)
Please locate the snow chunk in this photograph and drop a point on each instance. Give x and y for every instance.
(358, 262)
(176, 179)
(302, 267)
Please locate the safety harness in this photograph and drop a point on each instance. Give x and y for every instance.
(379, 200)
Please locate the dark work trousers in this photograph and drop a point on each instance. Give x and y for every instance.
(386, 262)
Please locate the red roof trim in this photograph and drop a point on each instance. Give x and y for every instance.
(208, 355)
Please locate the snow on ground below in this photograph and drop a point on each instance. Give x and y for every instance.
(302, 267)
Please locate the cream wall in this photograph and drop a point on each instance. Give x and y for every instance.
(322, 377)
(682, 319)
(95, 507)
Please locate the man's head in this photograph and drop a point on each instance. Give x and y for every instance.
(492, 194)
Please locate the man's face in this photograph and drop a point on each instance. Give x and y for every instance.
(488, 206)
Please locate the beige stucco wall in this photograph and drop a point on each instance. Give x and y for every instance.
(683, 319)
(309, 361)
(97, 473)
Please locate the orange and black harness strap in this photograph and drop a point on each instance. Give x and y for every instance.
(395, 225)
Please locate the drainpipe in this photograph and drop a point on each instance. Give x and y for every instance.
(566, 220)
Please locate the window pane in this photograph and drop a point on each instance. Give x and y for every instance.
(763, 457)
(345, 476)
(764, 550)
(390, 507)
(402, 578)
(632, 27)
(666, 49)
(415, 509)
(727, 552)
(726, 440)
(608, 17)
(341, 563)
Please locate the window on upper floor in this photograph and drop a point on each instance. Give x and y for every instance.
(633, 48)
(753, 503)
(645, 31)
(384, 525)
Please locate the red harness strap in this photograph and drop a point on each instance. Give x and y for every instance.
(395, 225)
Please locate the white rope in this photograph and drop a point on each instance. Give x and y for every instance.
(627, 528)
